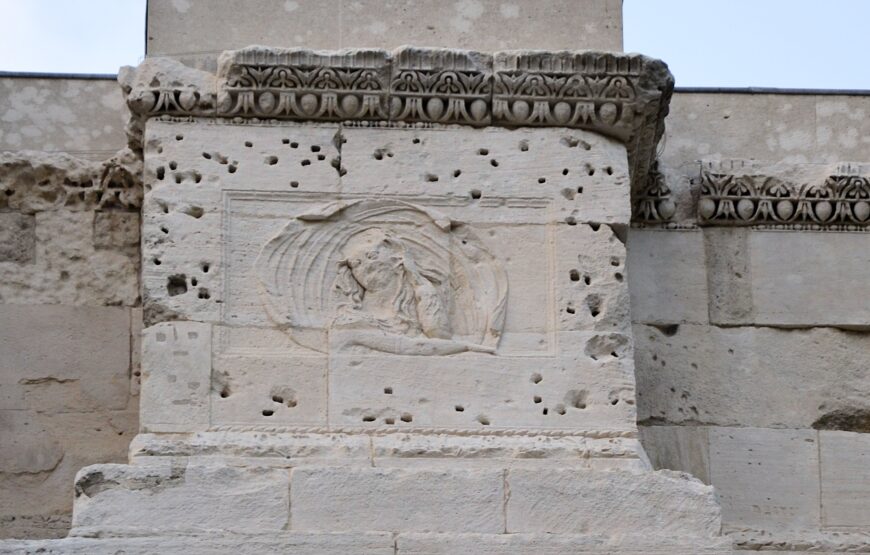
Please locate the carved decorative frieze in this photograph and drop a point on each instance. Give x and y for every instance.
(654, 203)
(814, 198)
(441, 86)
(302, 84)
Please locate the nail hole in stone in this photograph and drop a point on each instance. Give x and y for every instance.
(406, 417)
(278, 399)
(164, 229)
(524, 146)
(232, 168)
(415, 140)
(431, 178)
(294, 184)
(161, 173)
(483, 151)
(268, 412)
(194, 212)
(614, 261)
(536, 378)
(315, 148)
(306, 162)
(483, 419)
(388, 390)
(542, 180)
(285, 141)
(206, 155)
(457, 173)
(157, 262)
(368, 418)
(173, 165)
(560, 409)
(294, 145)
(618, 276)
(574, 275)
(271, 160)
(570, 309)
(609, 170)
(545, 411)
(579, 190)
(590, 171)
(571, 220)
(459, 408)
(203, 293)
(595, 226)
(205, 267)
(179, 137)
(493, 163)
(249, 144)
(390, 421)
(321, 157)
(565, 171)
(536, 399)
(225, 392)
(475, 194)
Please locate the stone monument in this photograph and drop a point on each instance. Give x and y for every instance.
(386, 309)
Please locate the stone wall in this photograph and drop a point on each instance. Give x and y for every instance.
(752, 344)
(69, 292)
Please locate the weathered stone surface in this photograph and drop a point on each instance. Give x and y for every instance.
(65, 359)
(767, 277)
(176, 377)
(680, 448)
(197, 31)
(845, 475)
(397, 500)
(84, 117)
(552, 544)
(745, 376)
(301, 543)
(562, 501)
(667, 276)
(781, 492)
(180, 497)
(116, 228)
(17, 237)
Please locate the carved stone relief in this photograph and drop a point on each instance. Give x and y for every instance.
(801, 197)
(386, 276)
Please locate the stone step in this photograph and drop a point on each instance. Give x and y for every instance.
(186, 496)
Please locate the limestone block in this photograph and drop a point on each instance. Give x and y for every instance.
(746, 376)
(196, 31)
(42, 453)
(773, 274)
(554, 544)
(273, 391)
(136, 326)
(482, 392)
(568, 501)
(17, 237)
(845, 460)
(766, 479)
(193, 170)
(298, 543)
(69, 269)
(116, 229)
(397, 500)
(66, 359)
(81, 116)
(681, 448)
(176, 377)
(583, 175)
(667, 276)
(180, 497)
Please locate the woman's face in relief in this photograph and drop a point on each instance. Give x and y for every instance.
(374, 259)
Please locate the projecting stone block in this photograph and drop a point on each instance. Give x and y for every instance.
(681, 448)
(181, 498)
(397, 500)
(667, 276)
(561, 501)
(766, 479)
(845, 475)
(176, 377)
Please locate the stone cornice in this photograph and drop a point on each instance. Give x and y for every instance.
(802, 196)
(623, 96)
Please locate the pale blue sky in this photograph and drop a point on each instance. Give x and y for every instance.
(709, 43)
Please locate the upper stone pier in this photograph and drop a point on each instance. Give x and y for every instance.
(624, 96)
